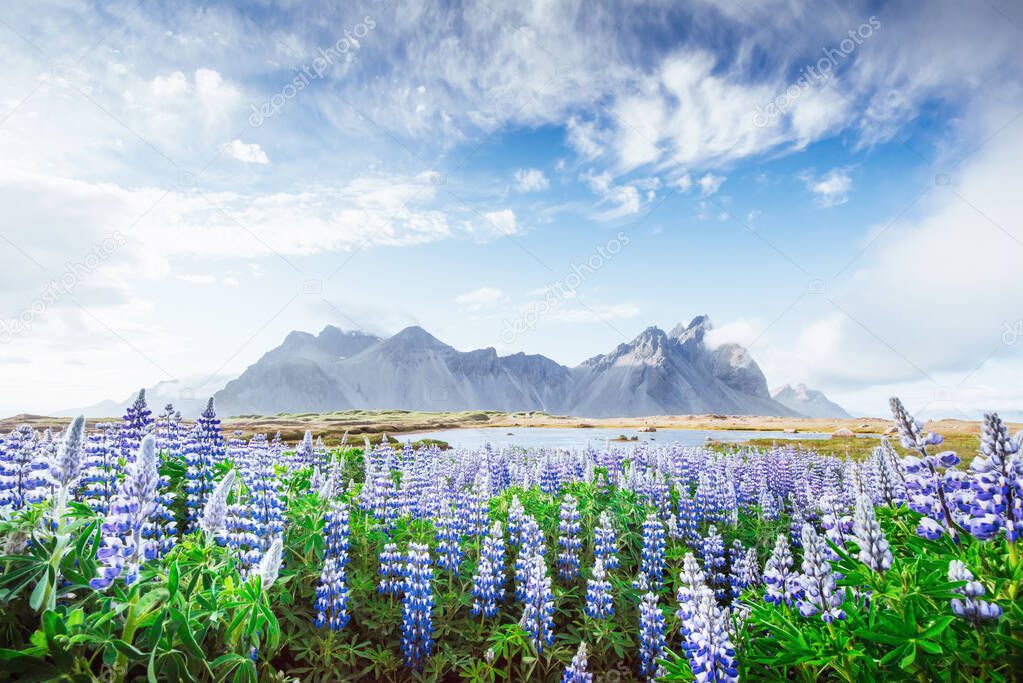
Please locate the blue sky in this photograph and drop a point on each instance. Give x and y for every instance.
(206, 178)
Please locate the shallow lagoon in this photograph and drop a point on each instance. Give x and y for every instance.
(579, 437)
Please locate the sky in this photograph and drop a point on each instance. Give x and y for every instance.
(834, 184)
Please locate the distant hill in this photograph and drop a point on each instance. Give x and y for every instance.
(808, 402)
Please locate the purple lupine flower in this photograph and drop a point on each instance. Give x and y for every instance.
(780, 582)
(972, 608)
(874, 549)
(713, 551)
(599, 604)
(652, 559)
(203, 450)
(449, 539)
(691, 583)
(488, 583)
(820, 593)
(997, 484)
(925, 486)
(136, 423)
(124, 545)
(392, 563)
(332, 590)
(576, 671)
(417, 619)
(710, 650)
(605, 542)
(889, 481)
(651, 635)
(538, 603)
(568, 539)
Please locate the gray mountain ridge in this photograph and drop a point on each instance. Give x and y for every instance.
(656, 373)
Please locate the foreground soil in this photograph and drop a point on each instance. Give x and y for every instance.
(375, 423)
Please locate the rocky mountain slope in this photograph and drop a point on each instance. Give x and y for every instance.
(655, 373)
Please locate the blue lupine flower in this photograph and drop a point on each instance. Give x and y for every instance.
(780, 582)
(124, 545)
(713, 551)
(605, 542)
(516, 513)
(449, 539)
(538, 610)
(332, 590)
(874, 549)
(100, 468)
(972, 608)
(599, 604)
(568, 539)
(820, 594)
(392, 564)
(651, 635)
(533, 543)
(576, 671)
(652, 559)
(743, 571)
(203, 451)
(168, 430)
(417, 620)
(488, 583)
(710, 650)
(23, 470)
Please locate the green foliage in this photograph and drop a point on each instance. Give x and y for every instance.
(192, 616)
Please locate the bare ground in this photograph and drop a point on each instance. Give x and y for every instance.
(331, 426)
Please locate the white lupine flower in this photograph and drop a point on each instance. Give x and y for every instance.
(215, 512)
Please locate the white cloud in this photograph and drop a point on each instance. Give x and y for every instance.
(710, 184)
(531, 180)
(247, 153)
(831, 189)
(482, 298)
(492, 224)
(622, 200)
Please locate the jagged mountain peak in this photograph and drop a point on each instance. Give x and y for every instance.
(691, 335)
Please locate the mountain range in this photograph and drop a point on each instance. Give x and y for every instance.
(657, 373)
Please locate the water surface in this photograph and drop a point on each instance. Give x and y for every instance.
(576, 437)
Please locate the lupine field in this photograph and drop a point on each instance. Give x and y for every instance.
(153, 550)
